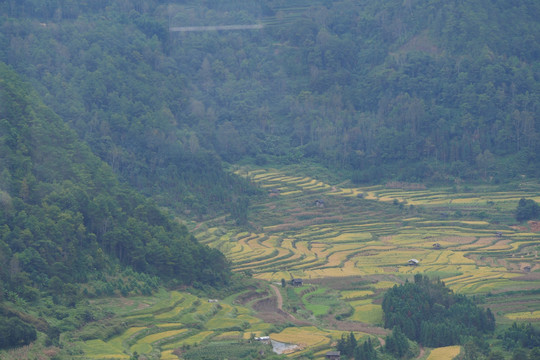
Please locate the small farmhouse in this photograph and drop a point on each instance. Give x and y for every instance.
(296, 282)
(333, 355)
(413, 262)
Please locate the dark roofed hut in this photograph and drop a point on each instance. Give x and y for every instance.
(333, 355)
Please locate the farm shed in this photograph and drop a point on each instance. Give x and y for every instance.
(413, 262)
(333, 355)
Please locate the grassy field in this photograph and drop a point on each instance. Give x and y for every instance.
(444, 353)
(348, 244)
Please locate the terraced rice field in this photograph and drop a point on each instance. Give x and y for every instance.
(311, 229)
(176, 320)
(328, 234)
(314, 230)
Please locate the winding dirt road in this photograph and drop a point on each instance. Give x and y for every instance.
(280, 301)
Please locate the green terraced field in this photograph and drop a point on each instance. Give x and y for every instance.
(350, 236)
(348, 251)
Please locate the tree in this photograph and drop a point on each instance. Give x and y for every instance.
(15, 332)
(397, 343)
(366, 351)
(527, 209)
(347, 344)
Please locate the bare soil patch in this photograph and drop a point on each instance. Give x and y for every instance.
(458, 239)
(267, 310)
(250, 296)
(535, 226)
(533, 276)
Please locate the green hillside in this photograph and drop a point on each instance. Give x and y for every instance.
(65, 218)
(414, 91)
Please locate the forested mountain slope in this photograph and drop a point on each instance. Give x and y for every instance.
(439, 90)
(65, 217)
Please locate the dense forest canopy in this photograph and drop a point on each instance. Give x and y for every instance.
(438, 90)
(65, 216)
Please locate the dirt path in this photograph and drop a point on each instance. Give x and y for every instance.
(280, 302)
(278, 296)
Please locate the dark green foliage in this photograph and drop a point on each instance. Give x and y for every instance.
(64, 215)
(527, 209)
(14, 332)
(474, 348)
(521, 336)
(408, 90)
(366, 351)
(397, 343)
(349, 347)
(430, 313)
(495, 355)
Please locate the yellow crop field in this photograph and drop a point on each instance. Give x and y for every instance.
(247, 335)
(222, 323)
(251, 320)
(475, 222)
(366, 312)
(352, 237)
(479, 244)
(161, 335)
(291, 192)
(499, 245)
(444, 353)
(98, 349)
(526, 315)
(118, 340)
(230, 335)
(336, 258)
(195, 339)
(141, 348)
(188, 300)
(167, 325)
(302, 336)
(168, 355)
(351, 294)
